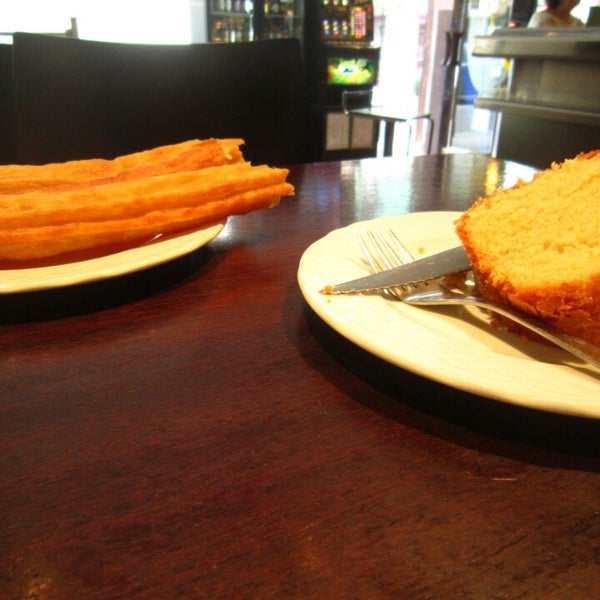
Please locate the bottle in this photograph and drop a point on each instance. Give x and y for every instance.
(217, 32)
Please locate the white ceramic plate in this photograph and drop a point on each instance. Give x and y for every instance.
(447, 344)
(104, 267)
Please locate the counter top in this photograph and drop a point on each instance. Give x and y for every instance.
(195, 431)
(578, 44)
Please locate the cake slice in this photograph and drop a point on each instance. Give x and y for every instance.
(537, 245)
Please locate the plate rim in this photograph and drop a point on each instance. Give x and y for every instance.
(324, 306)
(108, 266)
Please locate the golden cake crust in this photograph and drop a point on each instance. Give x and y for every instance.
(537, 245)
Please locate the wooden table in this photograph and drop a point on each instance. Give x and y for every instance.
(195, 431)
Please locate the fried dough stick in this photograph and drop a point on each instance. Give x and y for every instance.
(185, 156)
(122, 200)
(195, 209)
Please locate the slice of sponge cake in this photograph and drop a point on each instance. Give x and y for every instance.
(537, 245)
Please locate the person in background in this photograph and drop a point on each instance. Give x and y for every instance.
(556, 14)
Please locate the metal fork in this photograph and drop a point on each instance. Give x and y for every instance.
(384, 252)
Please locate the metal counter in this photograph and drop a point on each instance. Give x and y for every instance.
(549, 104)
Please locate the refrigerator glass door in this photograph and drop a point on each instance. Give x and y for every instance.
(230, 20)
(281, 19)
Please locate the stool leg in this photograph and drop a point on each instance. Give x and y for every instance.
(430, 136)
(388, 143)
(408, 139)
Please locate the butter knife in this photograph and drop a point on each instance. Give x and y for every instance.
(430, 267)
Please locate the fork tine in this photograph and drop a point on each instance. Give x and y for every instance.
(400, 247)
(388, 256)
(381, 253)
(375, 256)
(384, 251)
(370, 258)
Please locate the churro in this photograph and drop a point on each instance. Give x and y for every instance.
(184, 156)
(85, 205)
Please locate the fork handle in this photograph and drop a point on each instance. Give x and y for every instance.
(575, 345)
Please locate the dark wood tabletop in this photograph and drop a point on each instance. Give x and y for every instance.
(196, 431)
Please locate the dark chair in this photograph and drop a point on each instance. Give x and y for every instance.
(80, 99)
(7, 115)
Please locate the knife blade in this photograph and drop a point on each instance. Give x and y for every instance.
(430, 267)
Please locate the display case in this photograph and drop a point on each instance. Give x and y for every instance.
(341, 55)
(248, 20)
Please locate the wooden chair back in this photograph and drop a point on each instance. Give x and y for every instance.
(80, 99)
(7, 109)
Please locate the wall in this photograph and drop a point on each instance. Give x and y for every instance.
(139, 21)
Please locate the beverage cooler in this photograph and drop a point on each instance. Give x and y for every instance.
(248, 20)
(341, 55)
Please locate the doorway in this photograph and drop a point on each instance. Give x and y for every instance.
(414, 45)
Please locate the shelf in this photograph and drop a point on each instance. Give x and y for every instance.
(225, 14)
(565, 115)
(582, 44)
